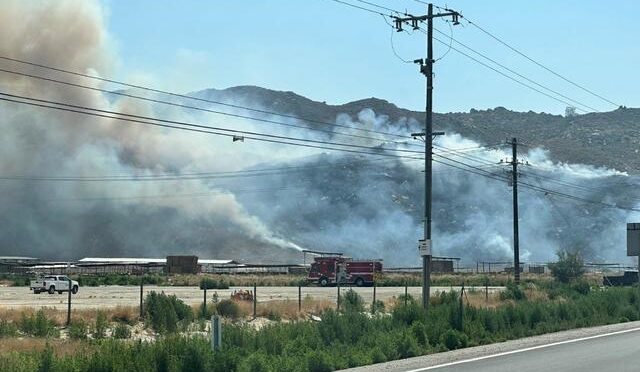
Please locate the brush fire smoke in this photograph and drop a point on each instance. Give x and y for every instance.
(364, 206)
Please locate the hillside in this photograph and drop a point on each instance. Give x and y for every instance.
(610, 139)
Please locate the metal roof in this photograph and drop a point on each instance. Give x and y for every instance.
(130, 260)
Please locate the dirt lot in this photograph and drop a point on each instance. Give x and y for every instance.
(113, 296)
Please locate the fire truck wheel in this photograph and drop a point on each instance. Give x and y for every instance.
(323, 282)
(360, 282)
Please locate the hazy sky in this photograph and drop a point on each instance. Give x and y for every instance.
(329, 52)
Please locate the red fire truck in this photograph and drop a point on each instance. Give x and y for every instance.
(328, 270)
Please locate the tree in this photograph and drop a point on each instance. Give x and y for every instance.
(569, 267)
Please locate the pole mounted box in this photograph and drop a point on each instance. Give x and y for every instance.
(424, 247)
(633, 239)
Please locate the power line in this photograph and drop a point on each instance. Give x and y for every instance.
(184, 96)
(516, 73)
(233, 132)
(202, 130)
(193, 107)
(538, 63)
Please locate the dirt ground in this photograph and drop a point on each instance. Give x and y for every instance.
(115, 296)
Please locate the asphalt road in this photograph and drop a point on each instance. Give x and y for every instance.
(607, 348)
(113, 296)
(619, 352)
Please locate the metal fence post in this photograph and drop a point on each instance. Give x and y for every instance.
(406, 295)
(69, 304)
(255, 300)
(204, 302)
(338, 302)
(299, 298)
(216, 333)
(141, 296)
(373, 304)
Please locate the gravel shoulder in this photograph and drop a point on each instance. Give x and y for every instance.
(492, 349)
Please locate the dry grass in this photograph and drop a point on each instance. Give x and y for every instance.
(237, 280)
(285, 309)
(60, 347)
(128, 314)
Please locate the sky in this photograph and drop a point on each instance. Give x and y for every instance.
(331, 52)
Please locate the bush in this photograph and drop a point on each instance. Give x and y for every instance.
(377, 307)
(100, 330)
(78, 330)
(453, 339)
(38, 325)
(166, 313)
(569, 267)
(210, 283)
(513, 292)
(7, 329)
(581, 286)
(121, 331)
(352, 301)
(228, 308)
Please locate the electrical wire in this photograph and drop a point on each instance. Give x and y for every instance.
(184, 96)
(234, 132)
(124, 94)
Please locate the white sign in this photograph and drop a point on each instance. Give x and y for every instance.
(633, 239)
(424, 247)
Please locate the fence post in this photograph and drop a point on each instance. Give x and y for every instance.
(255, 299)
(406, 294)
(374, 298)
(69, 304)
(216, 332)
(141, 296)
(338, 302)
(204, 303)
(461, 315)
(486, 290)
(299, 298)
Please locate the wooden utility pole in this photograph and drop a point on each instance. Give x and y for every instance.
(516, 234)
(426, 68)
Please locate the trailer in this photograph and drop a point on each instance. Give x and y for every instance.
(331, 270)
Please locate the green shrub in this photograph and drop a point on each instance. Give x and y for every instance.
(352, 301)
(453, 339)
(408, 314)
(569, 267)
(165, 313)
(513, 292)
(78, 330)
(210, 283)
(100, 329)
(228, 308)
(7, 329)
(38, 325)
(377, 307)
(581, 286)
(121, 331)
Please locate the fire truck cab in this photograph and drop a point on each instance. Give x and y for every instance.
(330, 270)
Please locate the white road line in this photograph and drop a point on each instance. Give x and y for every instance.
(522, 350)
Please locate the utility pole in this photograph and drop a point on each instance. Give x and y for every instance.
(426, 68)
(516, 236)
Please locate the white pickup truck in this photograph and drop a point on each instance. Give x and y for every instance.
(53, 284)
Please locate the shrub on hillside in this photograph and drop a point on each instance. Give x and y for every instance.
(7, 329)
(453, 339)
(166, 313)
(568, 268)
